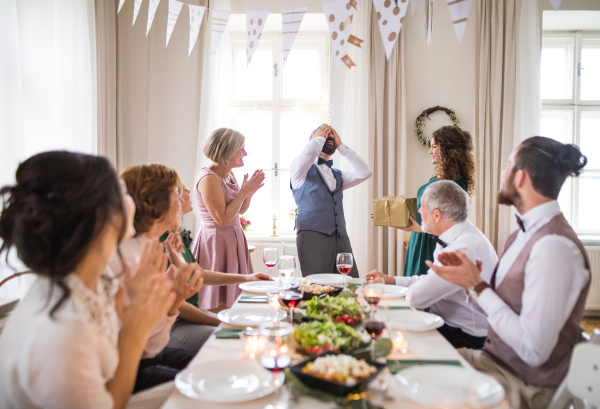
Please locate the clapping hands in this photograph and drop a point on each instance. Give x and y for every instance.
(250, 186)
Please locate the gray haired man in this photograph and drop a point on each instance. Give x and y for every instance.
(444, 209)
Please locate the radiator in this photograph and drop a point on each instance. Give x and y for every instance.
(593, 299)
(257, 256)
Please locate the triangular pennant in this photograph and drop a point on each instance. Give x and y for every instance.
(121, 2)
(390, 18)
(196, 16)
(556, 4)
(219, 22)
(136, 9)
(174, 10)
(418, 4)
(339, 18)
(255, 24)
(151, 12)
(355, 41)
(346, 60)
(291, 20)
(459, 12)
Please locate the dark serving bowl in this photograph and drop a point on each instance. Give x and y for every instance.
(331, 387)
(309, 296)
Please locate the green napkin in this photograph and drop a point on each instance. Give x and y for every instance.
(228, 335)
(396, 365)
(253, 296)
(394, 307)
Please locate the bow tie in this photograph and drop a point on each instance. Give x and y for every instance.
(520, 223)
(327, 162)
(439, 241)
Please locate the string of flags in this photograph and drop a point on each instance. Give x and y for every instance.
(338, 13)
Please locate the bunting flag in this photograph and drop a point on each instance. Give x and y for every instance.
(355, 41)
(219, 22)
(339, 18)
(556, 4)
(459, 12)
(121, 2)
(196, 16)
(136, 9)
(291, 19)
(174, 10)
(390, 18)
(346, 60)
(417, 4)
(255, 24)
(151, 12)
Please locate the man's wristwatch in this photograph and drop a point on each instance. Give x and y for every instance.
(478, 289)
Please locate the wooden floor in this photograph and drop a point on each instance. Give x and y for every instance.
(589, 323)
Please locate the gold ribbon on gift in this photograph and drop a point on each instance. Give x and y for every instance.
(387, 201)
(394, 211)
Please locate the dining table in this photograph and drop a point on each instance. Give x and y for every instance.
(384, 391)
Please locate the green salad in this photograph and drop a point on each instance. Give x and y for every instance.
(328, 308)
(318, 336)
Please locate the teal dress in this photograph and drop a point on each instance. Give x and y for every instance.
(422, 245)
(188, 257)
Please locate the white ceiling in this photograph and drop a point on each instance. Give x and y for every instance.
(570, 20)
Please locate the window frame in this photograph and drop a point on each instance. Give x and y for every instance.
(278, 105)
(576, 106)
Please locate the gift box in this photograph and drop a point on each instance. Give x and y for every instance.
(394, 211)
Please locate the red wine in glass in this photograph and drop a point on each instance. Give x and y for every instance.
(290, 298)
(374, 328)
(344, 269)
(275, 363)
(270, 264)
(373, 301)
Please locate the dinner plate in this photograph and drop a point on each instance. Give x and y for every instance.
(228, 381)
(418, 321)
(251, 316)
(328, 279)
(394, 291)
(449, 386)
(260, 287)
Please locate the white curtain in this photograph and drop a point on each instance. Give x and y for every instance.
(47, 88)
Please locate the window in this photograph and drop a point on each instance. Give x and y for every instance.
(570, 90)
(277, 109)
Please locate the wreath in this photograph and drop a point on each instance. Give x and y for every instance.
(425, 114)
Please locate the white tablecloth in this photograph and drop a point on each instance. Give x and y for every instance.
(422, 345)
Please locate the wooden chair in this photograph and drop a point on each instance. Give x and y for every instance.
(581, 386)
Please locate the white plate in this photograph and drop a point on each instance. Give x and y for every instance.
(449, 387)
(418, 321)
(250, 316)
(394, 291)
(228, 381)
(260, 287)
(328, 279)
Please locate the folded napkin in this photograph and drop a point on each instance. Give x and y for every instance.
(394, 307)
(253, 299)
(396, 365)
(229, 333)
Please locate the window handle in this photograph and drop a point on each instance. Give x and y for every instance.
(275, 69)
(579, 68)
(276, 169)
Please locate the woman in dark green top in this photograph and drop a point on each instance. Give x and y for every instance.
(452, 157)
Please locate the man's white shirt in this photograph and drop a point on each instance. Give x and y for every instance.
(555, 275)
(309, 155)
(447, 300)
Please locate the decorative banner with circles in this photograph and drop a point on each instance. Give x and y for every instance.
(390, 18)
(339, 18)
(196, 16)
(255, 24)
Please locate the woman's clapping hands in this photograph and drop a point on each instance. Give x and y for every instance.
(250, 186)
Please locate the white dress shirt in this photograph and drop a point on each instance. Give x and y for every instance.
(131, 249)
(555, 275)
(309, 155)
(450, 301)
(63, 362)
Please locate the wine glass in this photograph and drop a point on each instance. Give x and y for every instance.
(344, 263)
(278, 343)
(287, 266)
(270, 257)
(291, 293)
(373, 291)
(374, 327)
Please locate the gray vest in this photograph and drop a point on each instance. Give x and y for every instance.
(320, 209)
(551, 372)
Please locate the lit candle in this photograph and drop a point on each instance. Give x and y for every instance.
(274, 215)
(252, 345)
(400, 343)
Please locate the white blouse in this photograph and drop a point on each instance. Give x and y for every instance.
(61, 362)
(131, 250)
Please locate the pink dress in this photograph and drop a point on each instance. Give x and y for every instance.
(222, 249)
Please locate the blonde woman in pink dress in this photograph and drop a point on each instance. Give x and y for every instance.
(220, 244)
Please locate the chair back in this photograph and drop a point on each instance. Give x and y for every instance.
(583, 378)
(290, 250)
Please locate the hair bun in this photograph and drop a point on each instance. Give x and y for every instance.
(570, 159)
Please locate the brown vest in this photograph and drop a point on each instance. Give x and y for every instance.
(551, 372)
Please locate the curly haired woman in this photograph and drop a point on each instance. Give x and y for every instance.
(451, 154)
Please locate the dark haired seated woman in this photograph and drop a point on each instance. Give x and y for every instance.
(62, 347)
(451, 154)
